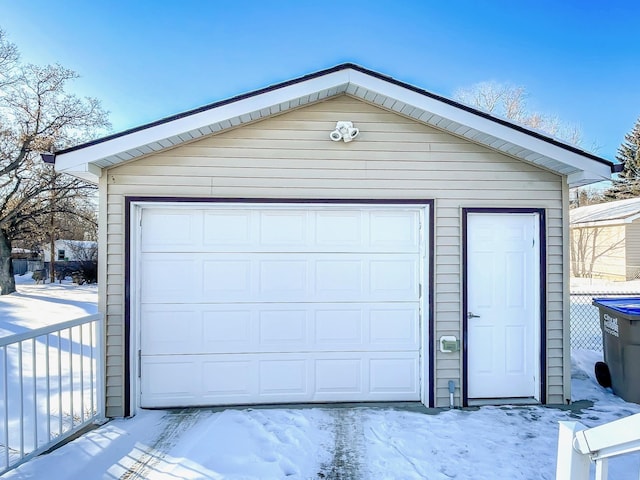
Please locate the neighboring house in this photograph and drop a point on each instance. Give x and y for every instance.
(605, 240)
(70, 250)
(263, 250)
(22, 253)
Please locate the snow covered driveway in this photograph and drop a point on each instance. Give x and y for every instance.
(313, 442)
(331, 443)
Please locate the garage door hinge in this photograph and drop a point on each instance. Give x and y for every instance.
(139, 363)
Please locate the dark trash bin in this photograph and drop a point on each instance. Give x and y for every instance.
(620, 325)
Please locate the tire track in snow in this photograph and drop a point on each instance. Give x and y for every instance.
(176, 423)
(348, 447)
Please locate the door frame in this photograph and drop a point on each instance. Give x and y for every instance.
(133, 211)
(542, 284)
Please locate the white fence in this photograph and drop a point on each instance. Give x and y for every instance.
(50, 387)
(579, 446)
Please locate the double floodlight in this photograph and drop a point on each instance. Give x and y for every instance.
(344, 131)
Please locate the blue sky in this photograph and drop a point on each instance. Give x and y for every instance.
(579, 60)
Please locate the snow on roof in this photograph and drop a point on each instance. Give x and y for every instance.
(620, 211)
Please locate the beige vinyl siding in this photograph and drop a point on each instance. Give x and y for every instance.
(291, 157)
(632, 245)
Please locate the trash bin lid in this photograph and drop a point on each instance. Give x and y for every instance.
(626, 305)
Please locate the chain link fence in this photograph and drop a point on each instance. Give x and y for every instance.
(585, 319)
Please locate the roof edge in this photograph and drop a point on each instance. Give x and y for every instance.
(488, 116)
(210, 106)
(615, 167)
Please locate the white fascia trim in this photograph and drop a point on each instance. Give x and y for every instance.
(632, 218)
(585, 177)
(87, 171)
(480, 124)
(76, 160)
(94, 170)
(73, 160)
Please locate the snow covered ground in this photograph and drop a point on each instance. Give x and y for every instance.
(36, 305)
(56, 392)
(599, 285)
(512, 442)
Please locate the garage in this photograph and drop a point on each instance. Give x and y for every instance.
(278, 302)
(317, 240)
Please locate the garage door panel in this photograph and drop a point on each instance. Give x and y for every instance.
(284, 376)
(339, 375)
(394, 375)
(197, 328)
(201, 328)
(341, 278)
(397, 327)
(227, 230)
(230, 378)
(283, 229)
(181, 229)
(397, 230)
(394, 278)
(225, 278)
(340, 230)
(293, 230)
(169, 378)
(284, 329)
(278, 378)
(340, 327)
(225, 329)
(282, 279)
(372, 375)
(165, 277)
(172, 329)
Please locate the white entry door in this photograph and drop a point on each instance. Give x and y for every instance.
(503, 285)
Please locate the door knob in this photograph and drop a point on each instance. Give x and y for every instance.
(471, 315)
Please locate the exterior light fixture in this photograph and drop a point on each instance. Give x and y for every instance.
(344, 131)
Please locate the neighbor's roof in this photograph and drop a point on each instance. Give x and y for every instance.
(580, 167)
(610, 213)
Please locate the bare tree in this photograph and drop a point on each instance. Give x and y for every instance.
(82, 224)
(583, 196)
(510, 102)
(37, 115)
(587, 248)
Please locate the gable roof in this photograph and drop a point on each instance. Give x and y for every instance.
(610, 213)
(580, 167)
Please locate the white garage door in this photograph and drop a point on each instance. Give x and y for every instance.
(271, 304)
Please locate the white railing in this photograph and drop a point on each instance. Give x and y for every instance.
(50, 387)
(578, 446)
